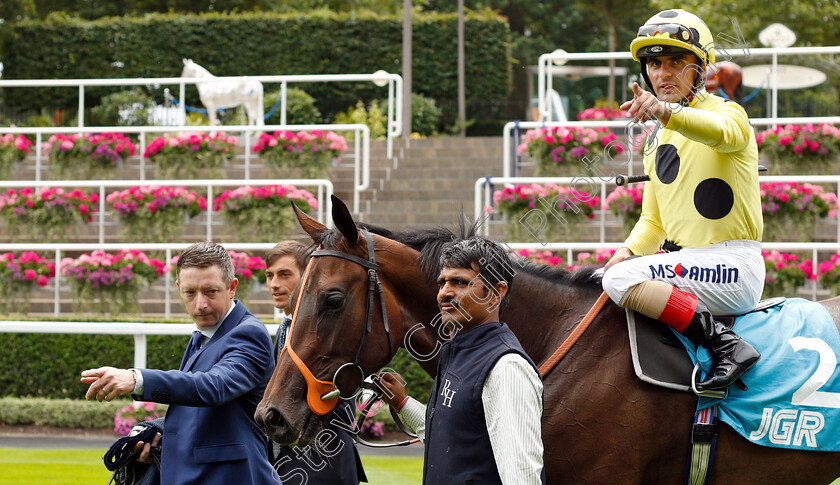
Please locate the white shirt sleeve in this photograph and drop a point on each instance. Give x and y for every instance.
(413, 415)
(512, 399)
(138, 378)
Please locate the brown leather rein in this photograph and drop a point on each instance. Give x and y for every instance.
(572, 339)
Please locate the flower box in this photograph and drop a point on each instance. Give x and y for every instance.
(560, 151)
(110, 283)
(549, 258)
(626, 203)
(515, 202)
(89, 156)
(799, 149)
(18, 275)
(48, 214)
(605, 113)
(791, 210)
(263, 213)
(309, 152)
(784, 273)
(152, 213)
(829, 274)
(13, 149)
(190, 153)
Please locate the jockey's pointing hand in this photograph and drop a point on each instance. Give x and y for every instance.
(646, 106)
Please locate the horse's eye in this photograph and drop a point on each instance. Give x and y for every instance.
(333, 302)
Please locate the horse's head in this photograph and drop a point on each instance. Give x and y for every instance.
(339, 334)
(191, 69)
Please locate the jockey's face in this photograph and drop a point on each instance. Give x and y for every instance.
(672, 76)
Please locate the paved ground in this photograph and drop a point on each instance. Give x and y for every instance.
(48, 442)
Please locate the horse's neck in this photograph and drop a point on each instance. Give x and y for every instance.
(542, 315)
(417, 295)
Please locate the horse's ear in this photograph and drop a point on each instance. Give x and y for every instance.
(309, 224)
(185, 60)
(344, 221)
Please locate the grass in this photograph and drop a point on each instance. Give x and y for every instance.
(76, 466)
(83, 466)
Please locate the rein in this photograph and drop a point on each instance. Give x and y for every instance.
(572, 339)
(322, 396)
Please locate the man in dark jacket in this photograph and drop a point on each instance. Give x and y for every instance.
(483, 420)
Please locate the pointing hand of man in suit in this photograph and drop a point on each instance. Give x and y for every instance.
(106, 383)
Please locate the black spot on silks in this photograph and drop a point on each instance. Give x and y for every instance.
(713, 198)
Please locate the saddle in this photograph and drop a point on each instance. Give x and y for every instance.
(659, 357)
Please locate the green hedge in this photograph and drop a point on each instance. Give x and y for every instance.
(321, 42)
(63, 413)
(49, 365)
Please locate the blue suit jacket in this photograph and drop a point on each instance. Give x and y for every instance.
(209, 436)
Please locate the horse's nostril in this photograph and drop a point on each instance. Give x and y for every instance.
(270, 418)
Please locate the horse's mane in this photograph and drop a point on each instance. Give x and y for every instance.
(430, 242)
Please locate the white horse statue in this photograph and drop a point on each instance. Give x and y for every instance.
(226, 94)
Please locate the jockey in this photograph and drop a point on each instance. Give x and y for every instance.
(702, 203)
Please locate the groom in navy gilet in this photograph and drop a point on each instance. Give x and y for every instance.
(482, 424)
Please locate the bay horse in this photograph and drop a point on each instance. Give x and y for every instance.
(601, 424)
(226, 94)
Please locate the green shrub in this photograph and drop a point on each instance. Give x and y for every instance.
(48, 365)
(418, 383)
(372, 116)
(300, 108)
(425, 115)
(125, 108)
(63, 413)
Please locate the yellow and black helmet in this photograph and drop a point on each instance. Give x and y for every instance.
(674, 32)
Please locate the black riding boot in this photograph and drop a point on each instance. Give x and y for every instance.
(732, 355)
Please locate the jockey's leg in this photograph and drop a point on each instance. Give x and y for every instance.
(649, 285)
(689, 316)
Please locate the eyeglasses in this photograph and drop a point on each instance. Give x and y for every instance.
(674, 31)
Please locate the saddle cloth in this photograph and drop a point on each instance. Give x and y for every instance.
(793, 396)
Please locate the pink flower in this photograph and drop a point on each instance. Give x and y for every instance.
(29, 274)
(42, 281)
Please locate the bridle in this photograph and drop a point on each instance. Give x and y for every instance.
(322, 396)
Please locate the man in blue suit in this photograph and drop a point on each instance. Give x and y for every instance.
(209, 434)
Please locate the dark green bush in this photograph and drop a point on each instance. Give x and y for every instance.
(300, 108)
(135, 105)
(425, 115)
(49, 365)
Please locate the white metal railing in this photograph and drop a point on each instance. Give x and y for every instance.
(324, 191)
(59, 249)
(483, 193)
(380, 78)
(545, 77)
(510, 157)
(138, 330)
(361, 164)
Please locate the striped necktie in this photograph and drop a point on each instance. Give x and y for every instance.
(282, 333)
